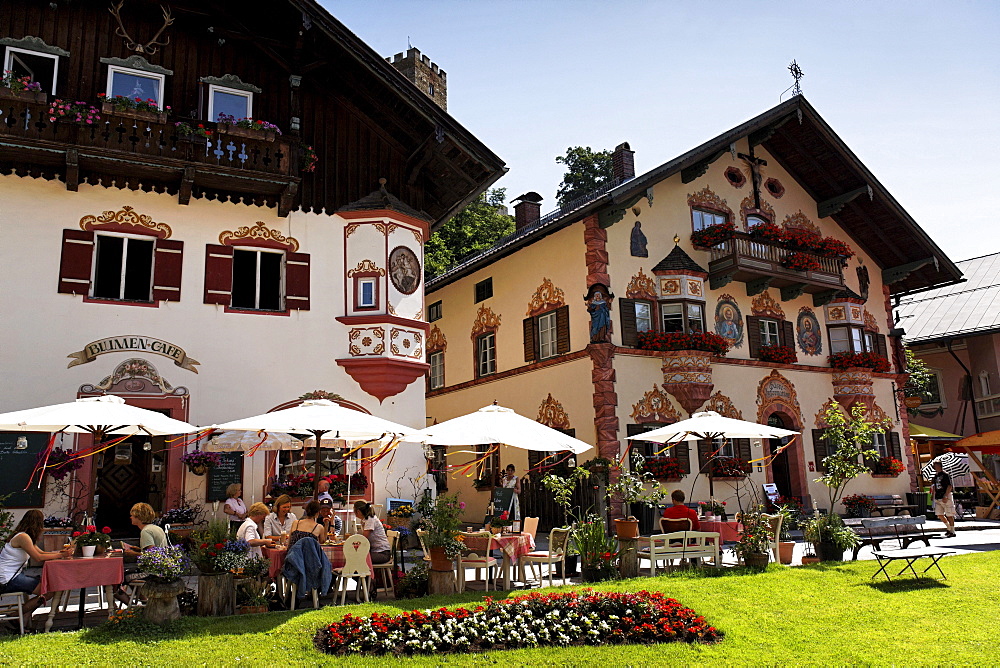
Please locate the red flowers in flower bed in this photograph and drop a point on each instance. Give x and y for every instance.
(662, 468)
(705, 341)
(847, 360)
(777, 354)
(581, 618)
(713, 235)
(800, 261)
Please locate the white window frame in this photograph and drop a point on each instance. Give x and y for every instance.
(121, 279)
(754, 220)
(486, 354)
(688, 317)
(859, 340)
(880, 443)
(281, 279)
(373, 285)
(766, 335)
(547, 336)
(698, 218)
(727, 449)
(436, 371)
(939, 379)
(162, 78)
(213, 88)
(644, 322)
(7, 64)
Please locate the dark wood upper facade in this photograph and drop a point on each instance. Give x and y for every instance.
(365, 120)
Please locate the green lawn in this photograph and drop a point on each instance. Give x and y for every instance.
(815, 615)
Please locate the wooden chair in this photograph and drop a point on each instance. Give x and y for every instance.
(379, 509)
(16, 601)
(991, 489)
(668, 525)
(356, 550)
(556, 554)
(473, 560)
(388, 569)
(667, 547)
(530, 526)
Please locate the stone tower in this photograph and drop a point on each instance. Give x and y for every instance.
(424, 74)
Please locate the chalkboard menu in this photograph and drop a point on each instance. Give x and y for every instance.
(229, 470)
(17, 466)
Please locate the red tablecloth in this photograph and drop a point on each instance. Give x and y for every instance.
(512, 545)
(78, 573)
(276, 555)
(728, 531)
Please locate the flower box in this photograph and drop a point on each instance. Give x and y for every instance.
(885, 475)
(108, 107)
(723, 478)
(36, 96)
(237, 131)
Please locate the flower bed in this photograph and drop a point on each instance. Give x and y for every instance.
(532, 620)
(705, 341)
(848, 360)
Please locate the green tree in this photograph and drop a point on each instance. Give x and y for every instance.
(921, 382)
(849, 442)
(475, 228)
(586, 171)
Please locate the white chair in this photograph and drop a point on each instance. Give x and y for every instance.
(16, 601)
(473, 560)
(356, 549)
(379, 509)
(667, 547)
(558, 541)
(775, 522)
(387, 570)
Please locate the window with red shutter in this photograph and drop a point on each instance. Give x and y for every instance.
(76, 262)
(167, 264)
(297, 281)
(218, 274)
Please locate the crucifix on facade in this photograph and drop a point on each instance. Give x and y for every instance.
(755, 164)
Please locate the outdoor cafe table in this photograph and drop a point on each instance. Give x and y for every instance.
(512, 546)
(62, 576)
(276, 555)
(729, 532)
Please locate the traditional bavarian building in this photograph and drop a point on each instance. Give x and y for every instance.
(158, 248)
(772, 236)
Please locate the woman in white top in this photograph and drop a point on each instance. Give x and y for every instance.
(250, 530)
(373, 530)
(235, 508)
(15, 554)
(511, 481)
(280, 521)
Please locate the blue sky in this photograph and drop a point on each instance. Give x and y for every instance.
(912, 87)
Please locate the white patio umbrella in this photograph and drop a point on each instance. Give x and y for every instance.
(99, 416)
(954, 464)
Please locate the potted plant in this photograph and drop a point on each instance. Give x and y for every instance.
(414, 583)
(163, 567)
(247, 127)
(60, 463)
(562, 489)
(199, 461)
(630, 488)
(859, 505)
(400, 517)
(187, 131)
(713, 235)
(134, 107)
(21, 88)
(217, 557)
(441, 520)
(887, 467)
(829, 536)
(501, 522)
(81, 113)
(849, 360)
(252, 586)
(598, 551)
(90, 541)
(768, 232)
(789, 520)
(309, 158)
(754, 542)
(708, 342)
(777, 354)
(712, 507)
(667, 469)
(801, 261)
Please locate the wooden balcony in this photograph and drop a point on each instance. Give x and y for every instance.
(148, 155)
(759, 265)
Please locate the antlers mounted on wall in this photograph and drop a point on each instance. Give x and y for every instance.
(150, 47)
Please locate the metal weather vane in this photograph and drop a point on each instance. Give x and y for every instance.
(797, 74)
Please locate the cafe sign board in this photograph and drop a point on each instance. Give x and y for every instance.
(133, 343)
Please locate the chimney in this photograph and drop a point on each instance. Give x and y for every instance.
(623, 162)
(527, 210)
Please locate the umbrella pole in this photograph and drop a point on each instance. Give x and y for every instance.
(318, 434)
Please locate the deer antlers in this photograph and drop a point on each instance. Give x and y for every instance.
(150, 47)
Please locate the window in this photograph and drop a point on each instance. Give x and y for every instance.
(754, 221)
(257, 280)
(852, 339)
(643, 316)
(547, 335)
(39, 67)
(880, 443)
(702, 219)
(439, 467)
(725, 447)
(486, 354)
(936, 389)
(685, 317)
(367, 288)
(488, 470)
(436, 372)
(123, 268)
(984, 383)
(484, 290)
(135, 83)
(769, 333)
(229, 101)
(434, 312)
(681, 450)
(430, 89)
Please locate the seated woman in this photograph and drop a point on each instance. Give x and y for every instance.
(251, 529)
(373, 530)
(308, 526)
(142, 515)
(280, 521)
(15, 554)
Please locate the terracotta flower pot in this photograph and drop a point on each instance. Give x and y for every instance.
(809, 560)
(251, 609)
(786, 550)
(439, 560)
(627, 529)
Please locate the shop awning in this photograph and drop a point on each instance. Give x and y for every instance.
(930, 434)
(987, 442)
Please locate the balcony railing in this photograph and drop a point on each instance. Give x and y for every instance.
(148, 152)
(746, 259)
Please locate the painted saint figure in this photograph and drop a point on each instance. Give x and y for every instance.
(810, 339)
(600, 318)
(638, 241)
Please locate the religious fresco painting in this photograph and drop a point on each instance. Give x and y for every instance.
(808, 332)
(729, 321)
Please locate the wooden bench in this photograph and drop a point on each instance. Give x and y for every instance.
(904, 530)
(891, 504)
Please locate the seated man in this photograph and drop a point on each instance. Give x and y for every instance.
(679, 511)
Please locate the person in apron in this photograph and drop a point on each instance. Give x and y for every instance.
(512, 481)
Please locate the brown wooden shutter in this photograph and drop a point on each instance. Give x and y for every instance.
(788, 334)
(753, 335)
(626, 309)
(218, 274)
(168, 260)
(894, 449)
(880, 345)
(683, 452)
(743, 448)
(76, 262)
(530, 348)
(819, 448)
(297, 281)
(704, 454)
(562, 330)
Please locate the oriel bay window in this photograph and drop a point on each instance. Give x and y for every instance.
(546, 335)
(855, 339)
(684, 317)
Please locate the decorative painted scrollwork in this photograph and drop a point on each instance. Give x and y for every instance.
(486, 321)
(366, 267)
(552, 414)
(723, 405)
(436, 341)
(775, 393)
(800, 221)
(707, 199)
(655, 406)
(258, 232)
(546, 297)
(764, 305)
(641, 287)
(125, 219)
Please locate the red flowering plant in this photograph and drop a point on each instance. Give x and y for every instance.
(777, 354)
(309, 158)
(704, 341)
(768, 232)
(256, 125)
(859, 505)
(729, 467)
(713, 235)
(830, 247)
(799, 239)
(91, 536)
(800, 261)
(848, 360)
(186, 129)
(502, 521)
(888, 466)
(574, 618)
(664, 468)
(125, 103)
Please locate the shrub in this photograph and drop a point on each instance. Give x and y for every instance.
(777, 354)
(704, 341)
(713, 235)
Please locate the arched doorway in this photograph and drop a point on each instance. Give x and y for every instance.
(781, 474)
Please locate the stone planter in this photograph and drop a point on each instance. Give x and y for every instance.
(36, 96)
(140, 115)
(161, 601)
(627, 529)
(236, 131)
(216, 595)
(687, 375)
(786, 549)
(757, 560)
